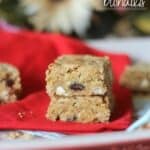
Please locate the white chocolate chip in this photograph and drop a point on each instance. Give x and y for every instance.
(60, 91)
(99, 91)
(145, 83)
(4, 95)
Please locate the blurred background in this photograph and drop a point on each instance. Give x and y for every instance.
(87, 19)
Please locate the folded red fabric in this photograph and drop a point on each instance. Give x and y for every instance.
(31, 53)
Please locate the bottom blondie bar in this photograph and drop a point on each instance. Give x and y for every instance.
(80, 109)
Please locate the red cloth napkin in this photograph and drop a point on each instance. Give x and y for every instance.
(31, 53)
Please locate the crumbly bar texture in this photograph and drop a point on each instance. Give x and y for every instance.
(137, 78)
(10, 83)
(80, 89)
(85, 109)
(81, 75)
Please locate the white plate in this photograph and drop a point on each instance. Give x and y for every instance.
(103, 141)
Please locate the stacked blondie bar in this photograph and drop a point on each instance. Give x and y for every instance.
(80, 88)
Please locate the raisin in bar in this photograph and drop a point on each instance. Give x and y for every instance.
(10, 84)
(137, 78)
(80, 109)
(80, 75)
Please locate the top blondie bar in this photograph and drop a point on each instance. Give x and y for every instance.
(72, 75)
